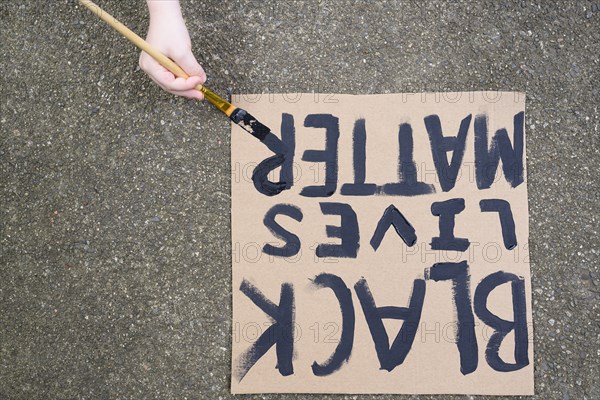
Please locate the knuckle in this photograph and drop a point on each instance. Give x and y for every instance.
(180, 53)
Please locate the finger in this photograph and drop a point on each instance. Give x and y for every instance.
(167, 80)
(158, 83)
(190, 65)
(145, 61)
(190, 94)
(155, 71)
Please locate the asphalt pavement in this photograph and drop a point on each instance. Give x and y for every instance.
(115, 261)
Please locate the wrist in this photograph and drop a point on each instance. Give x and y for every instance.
(164, 10)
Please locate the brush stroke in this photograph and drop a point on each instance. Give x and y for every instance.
(466, 341)
(261, 173)
(501, 326)
(359, 145)
(391, 357)
(446, 211)
(329, 156)
(344, 348)
(408, 185)
(507, 222)
(347, 232)
(292, 242)
(282, 154)
(280, 334)
(288, 137)
(487, 160)
(440, 145)
(393, 216)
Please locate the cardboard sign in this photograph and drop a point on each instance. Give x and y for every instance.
(386, 251)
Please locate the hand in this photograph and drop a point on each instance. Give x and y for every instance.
(168, 34)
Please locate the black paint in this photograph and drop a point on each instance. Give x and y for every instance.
(347, 232)
(359, 144)
(280, 334)
(393, 216)
(507, 223)
(288, 137)
(329, 156)
(486, 160)
(440, 145)
(249, 123)
(466, 340)
(344, 348)
(501, 326)
(447, 211)
(407, 169)
(394, 355)
(273, 143)
(261, 172)
(292, 242)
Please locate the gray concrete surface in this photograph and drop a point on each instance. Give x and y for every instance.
(115, 255)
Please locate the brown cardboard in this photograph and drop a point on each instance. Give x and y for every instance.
(433, 364)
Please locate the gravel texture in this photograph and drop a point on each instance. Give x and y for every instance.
(114, 196)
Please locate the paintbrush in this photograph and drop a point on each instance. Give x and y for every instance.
(238, 115)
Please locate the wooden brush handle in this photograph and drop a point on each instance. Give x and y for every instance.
(162, 59)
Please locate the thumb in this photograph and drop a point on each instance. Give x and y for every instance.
(190, 65)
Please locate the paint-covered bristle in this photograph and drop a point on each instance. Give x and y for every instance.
(258, 130)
